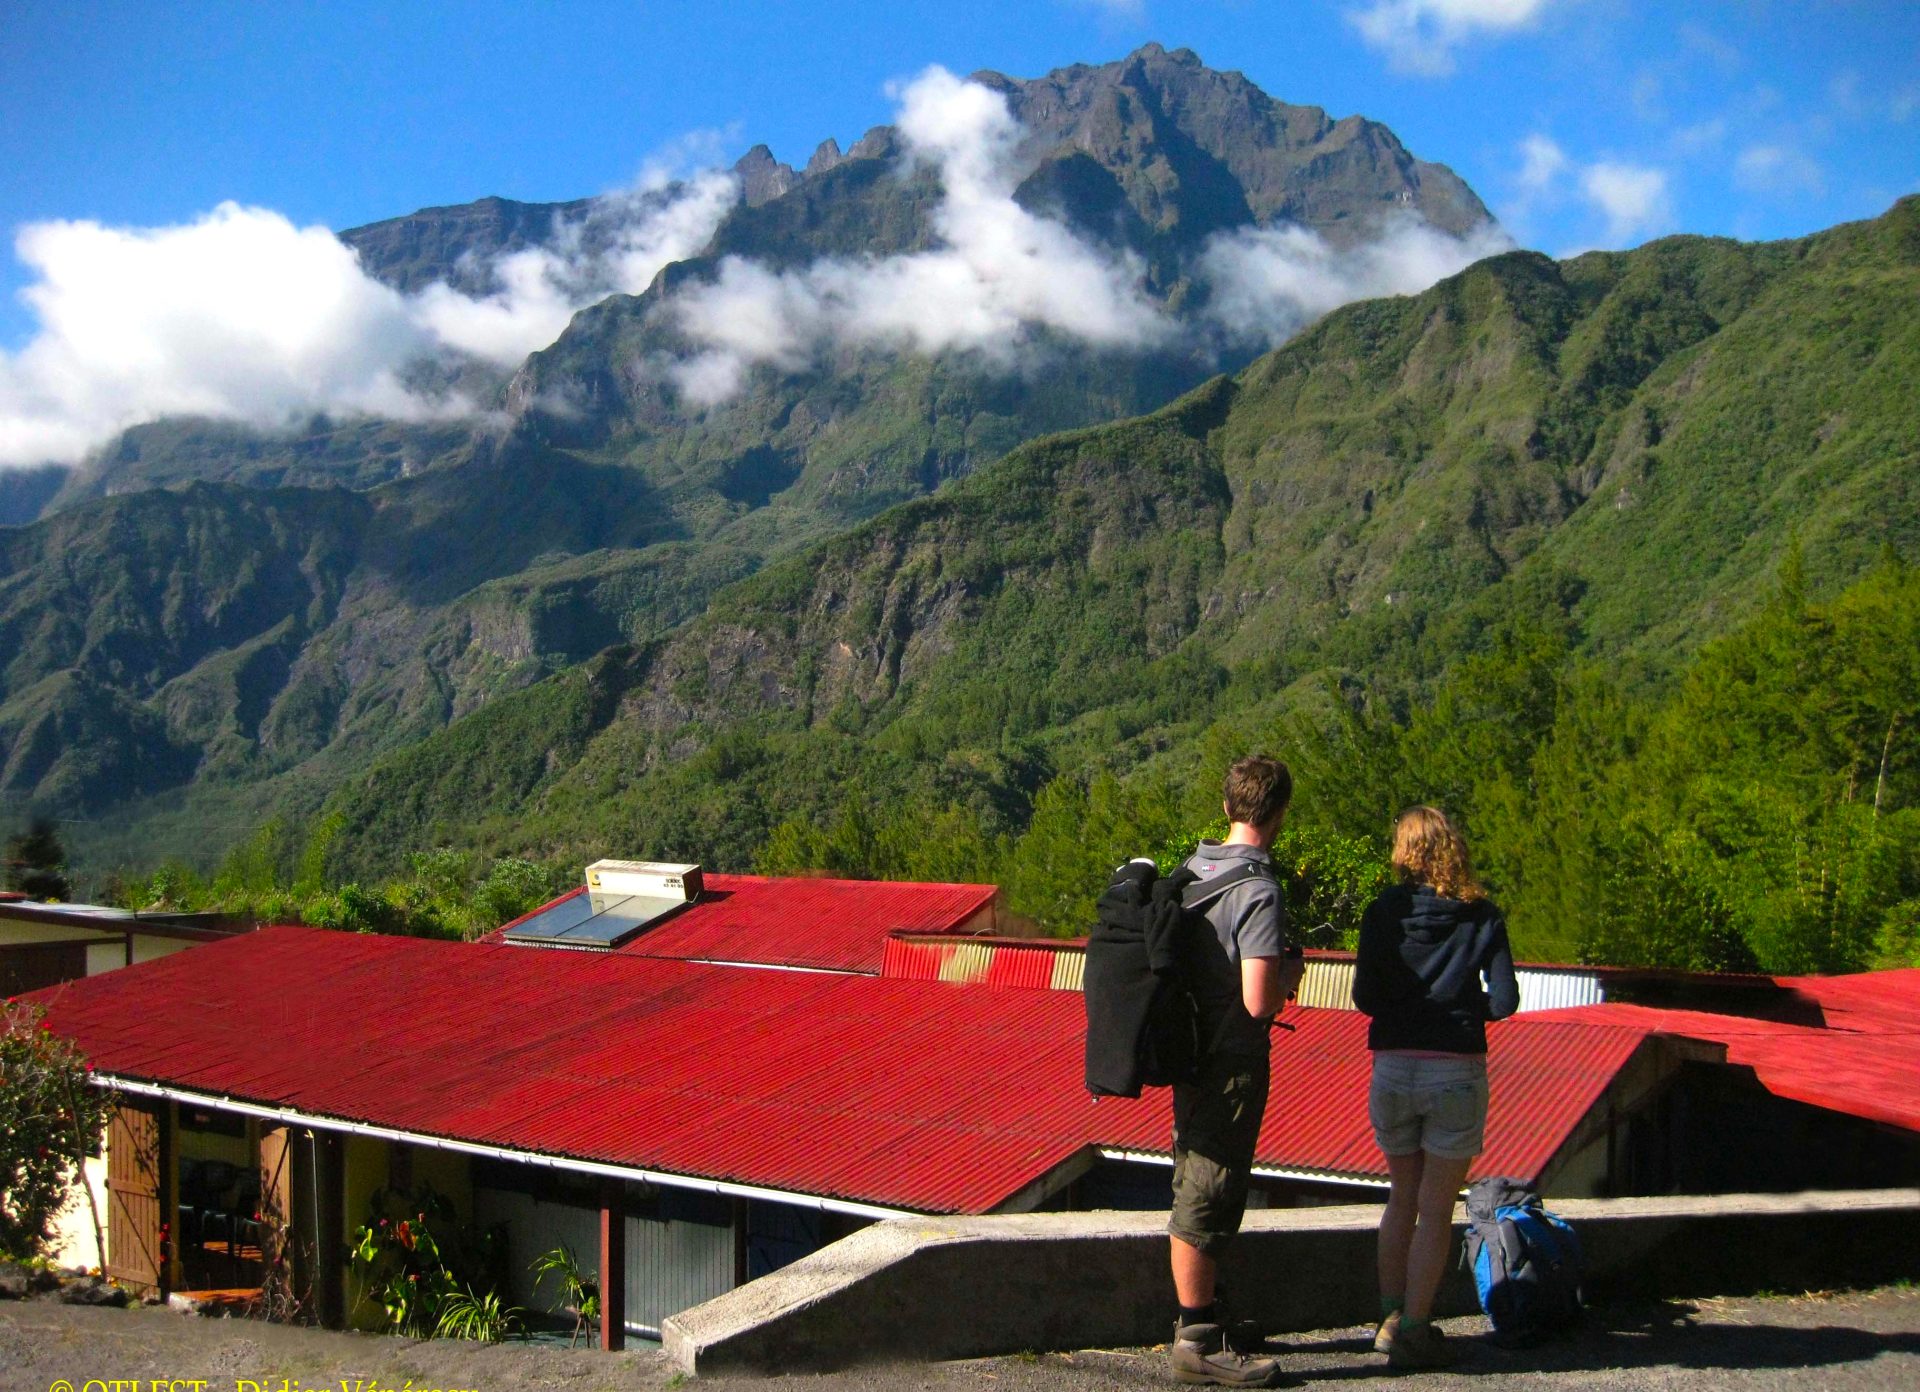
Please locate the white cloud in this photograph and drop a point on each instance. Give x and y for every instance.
(1422, 36)
(1541, 163)
(542, 287)
(1699, 137)
(1634, 201)
(1001, 273)
(1633, 198)
(1778, 170)
(1855, 101)
(241, 315)
(1269, 283)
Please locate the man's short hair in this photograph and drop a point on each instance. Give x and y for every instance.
(1258, 790)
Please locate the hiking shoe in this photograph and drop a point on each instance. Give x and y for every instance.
(1200, 1353)
(1419, 1346)
(1386, 1332)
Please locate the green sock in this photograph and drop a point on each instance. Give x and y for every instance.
(1391, 1303)
(1409, 1322)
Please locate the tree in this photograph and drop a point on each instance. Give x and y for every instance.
(51, 1119)
(37, 862)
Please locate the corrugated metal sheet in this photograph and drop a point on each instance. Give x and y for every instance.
(1327, 983)
(836, 925)
(1032, 964)
(1555, 990)
(912, 1094)
(1862, 1058)
(1069, 971)
(1061, 966)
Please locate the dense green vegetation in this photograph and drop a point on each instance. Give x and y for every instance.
(1762, 812)
(1611, 557)
(1487, 546)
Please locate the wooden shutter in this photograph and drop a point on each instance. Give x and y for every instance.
(137, 1141)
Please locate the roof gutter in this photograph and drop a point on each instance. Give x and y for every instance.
(292, 1116)
(1149, 1157)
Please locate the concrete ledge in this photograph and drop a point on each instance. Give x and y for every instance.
(931, 1288)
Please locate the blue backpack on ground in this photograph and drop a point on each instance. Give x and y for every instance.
(1525, 1260)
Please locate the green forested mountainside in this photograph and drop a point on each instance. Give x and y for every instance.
(359, 454)
(226, 637)
(1533, 476)
(25, 493)
(595, 506)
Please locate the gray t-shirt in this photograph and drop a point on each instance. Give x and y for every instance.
(1248, 920)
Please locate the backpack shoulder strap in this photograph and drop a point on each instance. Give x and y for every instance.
(1203, 892)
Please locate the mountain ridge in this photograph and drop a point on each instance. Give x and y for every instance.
(959, 661)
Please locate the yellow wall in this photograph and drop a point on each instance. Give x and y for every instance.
(449, 1172)
(13, 932)
(73, 1235)
(209, 1145)
(369, 1167)
(366, 1171)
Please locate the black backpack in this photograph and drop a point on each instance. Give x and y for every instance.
(1526, 1262)
(1143, 1029)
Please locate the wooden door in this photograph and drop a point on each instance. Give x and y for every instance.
(138, 1223)
(276, 1221)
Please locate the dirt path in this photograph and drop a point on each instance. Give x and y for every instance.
(1862, 1340)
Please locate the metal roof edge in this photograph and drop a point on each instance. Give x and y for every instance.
(1154, 1157)
(600, 1169)
(119, 922)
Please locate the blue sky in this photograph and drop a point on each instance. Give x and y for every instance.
(1581, 122)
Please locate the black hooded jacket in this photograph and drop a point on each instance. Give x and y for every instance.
(1418, 974)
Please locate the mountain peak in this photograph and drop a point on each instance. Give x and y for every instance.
(825, 156)
(762, 177)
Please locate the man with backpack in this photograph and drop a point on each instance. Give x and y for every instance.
(1240, 976)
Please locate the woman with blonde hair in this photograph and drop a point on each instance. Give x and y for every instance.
(1426, 945)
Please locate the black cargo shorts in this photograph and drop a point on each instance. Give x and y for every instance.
(1216, 1123)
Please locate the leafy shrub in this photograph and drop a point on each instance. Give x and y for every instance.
(51, 1117)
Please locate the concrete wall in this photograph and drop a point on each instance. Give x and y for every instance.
(1080, 1280)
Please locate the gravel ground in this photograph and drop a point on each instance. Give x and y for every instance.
(1850, 1340)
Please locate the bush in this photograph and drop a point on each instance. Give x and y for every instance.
(51, 1117)
(430, 1276)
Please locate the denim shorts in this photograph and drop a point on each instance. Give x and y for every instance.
(1438, 1105)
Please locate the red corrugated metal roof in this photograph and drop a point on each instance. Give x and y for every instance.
(1864, 1059)
(903, 1093)
(839, 925)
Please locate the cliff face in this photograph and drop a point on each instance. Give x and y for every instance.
(1641, 434)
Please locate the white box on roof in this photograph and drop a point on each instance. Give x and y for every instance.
(651, 878)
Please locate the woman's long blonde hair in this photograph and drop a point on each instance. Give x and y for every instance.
(1428, 849)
